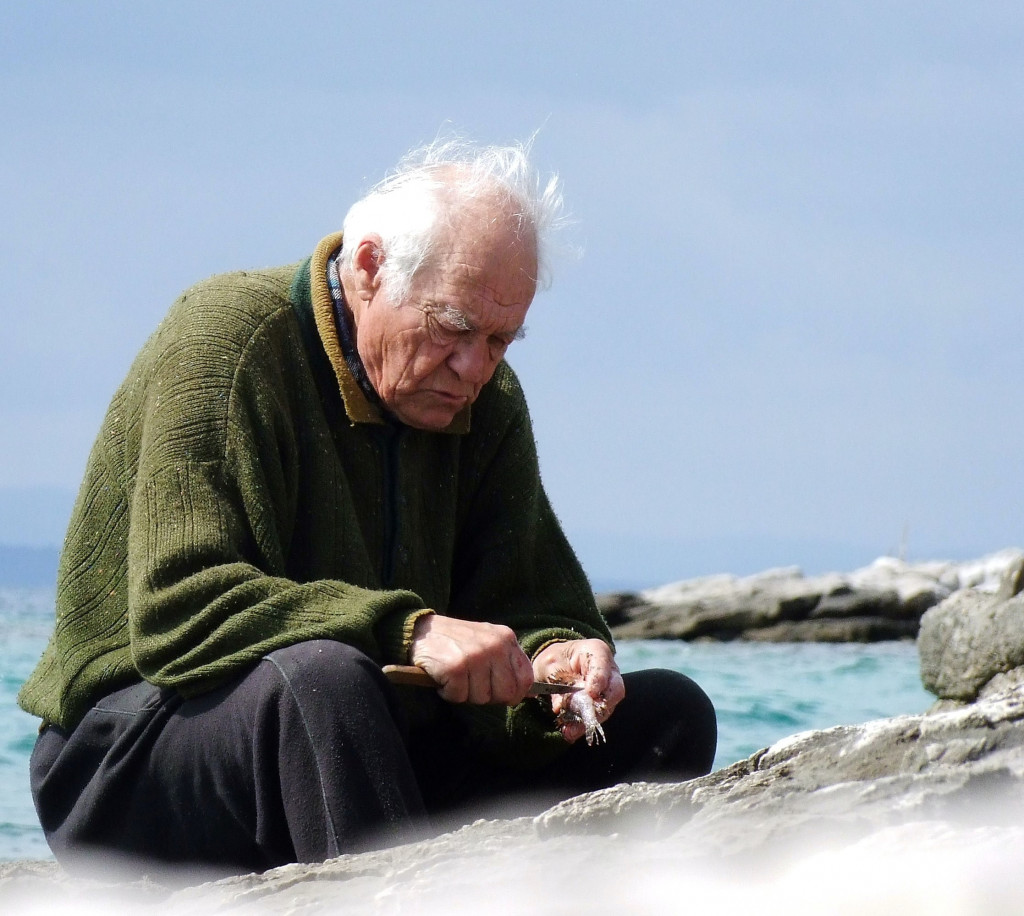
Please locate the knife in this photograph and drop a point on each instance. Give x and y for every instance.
(415, 676)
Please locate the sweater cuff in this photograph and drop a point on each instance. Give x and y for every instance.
(394, 635)
(535, 641)
(543, 646)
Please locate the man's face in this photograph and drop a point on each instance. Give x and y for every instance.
(429, 356)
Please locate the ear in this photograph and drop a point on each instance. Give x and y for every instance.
(366, 265)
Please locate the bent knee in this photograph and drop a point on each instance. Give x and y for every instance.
(684, 720)
(691, 703)
(326, 665)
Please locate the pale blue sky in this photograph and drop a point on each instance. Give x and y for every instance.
(793, 337)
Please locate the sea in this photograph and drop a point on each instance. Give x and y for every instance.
(762, 693)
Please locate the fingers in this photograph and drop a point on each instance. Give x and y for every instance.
(589, 663)
(503, 677)
(615, 693)
(473, 662)
(572, 732)
(603, 678)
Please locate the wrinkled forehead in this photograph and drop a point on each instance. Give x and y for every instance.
(488, 251)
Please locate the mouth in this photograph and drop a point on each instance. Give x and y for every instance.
(452, 400)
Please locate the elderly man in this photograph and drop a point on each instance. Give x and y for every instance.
(311, 472)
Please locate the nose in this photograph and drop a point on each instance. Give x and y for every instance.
(471, 360)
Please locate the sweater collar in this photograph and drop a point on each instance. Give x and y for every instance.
(346, 334)
(358, 406)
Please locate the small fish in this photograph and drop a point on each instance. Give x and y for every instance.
(581, 707)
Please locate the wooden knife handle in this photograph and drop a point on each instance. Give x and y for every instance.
(414, 676)
(410, 675)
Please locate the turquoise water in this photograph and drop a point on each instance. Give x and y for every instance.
(762, 693)
(26, 616)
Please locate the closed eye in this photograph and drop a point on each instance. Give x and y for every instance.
(508, 339)
(446, 323)
(451, 319)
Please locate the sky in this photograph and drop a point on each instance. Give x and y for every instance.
(791, 337)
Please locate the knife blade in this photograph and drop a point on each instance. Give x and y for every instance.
(415, 676)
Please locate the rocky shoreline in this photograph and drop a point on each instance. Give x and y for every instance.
(903, 814)
(883, 601)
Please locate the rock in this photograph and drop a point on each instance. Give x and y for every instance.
(846, 629)
(1003, 682)
(615, 606)
(916, 799)
(968, 761)
(882, 601)
(1012, 581)
(720, 607)
(849, 602)
(44, 887)
(924, 812)
(987, 574)
(967, 640)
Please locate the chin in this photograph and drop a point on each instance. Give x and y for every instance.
(433, 421)
(429, 414)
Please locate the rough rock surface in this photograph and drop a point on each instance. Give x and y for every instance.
(882, 601)
(948, 785)
(969, 639)
(910, 814)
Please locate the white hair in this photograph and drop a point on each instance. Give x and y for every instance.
(428, 190)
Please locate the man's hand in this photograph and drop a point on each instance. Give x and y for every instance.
(473, 662)
(588, 662)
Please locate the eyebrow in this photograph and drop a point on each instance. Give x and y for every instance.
(460, 321)
(456, 317)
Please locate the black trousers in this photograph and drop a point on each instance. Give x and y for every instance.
(309, 755)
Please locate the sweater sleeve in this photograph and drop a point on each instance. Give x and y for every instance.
(513, 563)
(205, 601)
(213, 512)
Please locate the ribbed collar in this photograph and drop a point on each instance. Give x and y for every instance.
(346, 334)
(358, 407)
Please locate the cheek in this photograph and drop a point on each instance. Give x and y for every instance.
(410, 363)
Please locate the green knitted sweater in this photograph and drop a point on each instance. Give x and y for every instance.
(243, 495)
